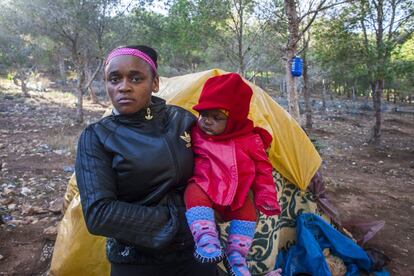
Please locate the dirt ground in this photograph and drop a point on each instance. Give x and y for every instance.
(37, 151)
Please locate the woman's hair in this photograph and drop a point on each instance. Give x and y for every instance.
(146, 49)
(150, 52)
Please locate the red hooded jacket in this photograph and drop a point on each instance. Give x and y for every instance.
(228, 165)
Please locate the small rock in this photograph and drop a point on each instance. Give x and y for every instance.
(39, 210)
(59, 152)
(6, 218)
(11, 206)
(15, 222)
(27, 210)
(56, 205)
(8, 191)
(50, 232)
(68, 169)
(31, 210)
(1, 257)
(380, 162)
(45, 220)
(25, 191)
(30, 220)
(6, 201)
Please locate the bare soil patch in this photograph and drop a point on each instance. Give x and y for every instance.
(372, 183)
(38, 137)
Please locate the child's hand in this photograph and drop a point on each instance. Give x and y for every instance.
(270, 210)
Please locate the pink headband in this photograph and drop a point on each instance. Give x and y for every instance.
(131, 52)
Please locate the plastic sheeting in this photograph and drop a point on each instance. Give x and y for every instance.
(292, 154)
(313, 236)
(76, 251)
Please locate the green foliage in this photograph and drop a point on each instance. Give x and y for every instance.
(193, 35)
(339, 53)
(349, 50)
(183, 36)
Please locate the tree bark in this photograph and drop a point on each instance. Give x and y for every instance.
(242, 66)
(323, 96)
(282, 87)
(379, 87)
(24, 88)
(293, 26)
(353, 93)
(62, 70)
(89, 77)
(20, 79)
(306, 94)
(79, 104)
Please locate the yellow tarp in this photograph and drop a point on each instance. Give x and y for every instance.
(292, 155)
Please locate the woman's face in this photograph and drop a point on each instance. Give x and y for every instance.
(212, 121)
(129, 83)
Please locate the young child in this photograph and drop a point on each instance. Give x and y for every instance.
(230, 160)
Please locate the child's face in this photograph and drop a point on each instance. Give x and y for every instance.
(212, 121)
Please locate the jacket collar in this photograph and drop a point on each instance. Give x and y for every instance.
(155, 112)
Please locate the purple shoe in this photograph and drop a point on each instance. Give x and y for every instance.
(238, 245)
(203, 228)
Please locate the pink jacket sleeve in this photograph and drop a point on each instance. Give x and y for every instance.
(264, 188)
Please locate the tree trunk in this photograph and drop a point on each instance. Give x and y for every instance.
(242, 65)
(306, 94)
(293, 26)
(24, 88)
(292, 94)
(379, 87)
(89, 77)
(353, 93)
(374, 93)
(348, 92)
(62, 70)
(282, 87)
(323, 96)
(80, 89)
(20, 80)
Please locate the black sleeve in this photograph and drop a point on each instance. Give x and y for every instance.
(150, 227)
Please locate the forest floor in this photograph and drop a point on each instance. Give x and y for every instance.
(37, 150)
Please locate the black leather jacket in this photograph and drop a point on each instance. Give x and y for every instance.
(131, 173)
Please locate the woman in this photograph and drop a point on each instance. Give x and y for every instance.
(131, 170)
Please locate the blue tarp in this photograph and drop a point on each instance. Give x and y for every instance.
(313, 236)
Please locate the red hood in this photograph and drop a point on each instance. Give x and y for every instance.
(231, 93)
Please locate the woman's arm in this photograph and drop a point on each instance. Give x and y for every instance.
(151, 227)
